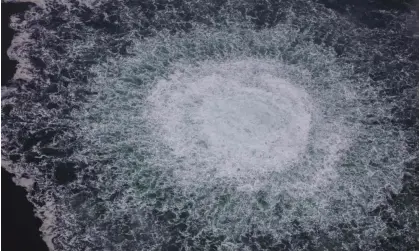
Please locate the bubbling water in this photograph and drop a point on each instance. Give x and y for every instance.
(194, 126)
(237, 138)
(231, 119)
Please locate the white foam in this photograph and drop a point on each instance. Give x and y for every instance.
(201, 125)
(229, 120)
(18, 51)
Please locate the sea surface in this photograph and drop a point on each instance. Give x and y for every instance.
(216, 124)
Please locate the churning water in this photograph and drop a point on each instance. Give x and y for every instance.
(217, 125)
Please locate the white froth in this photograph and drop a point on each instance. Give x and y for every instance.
(18, 51)
(242, 125)
(229, 120)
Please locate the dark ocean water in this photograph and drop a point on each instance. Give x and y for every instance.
(66, 130)
(20, 227)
